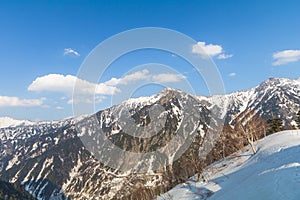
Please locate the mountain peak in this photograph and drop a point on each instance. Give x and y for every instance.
(278, 82)
(168, 90)
(281, 80)
(47, 141)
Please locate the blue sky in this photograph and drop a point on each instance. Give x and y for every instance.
(50, 40)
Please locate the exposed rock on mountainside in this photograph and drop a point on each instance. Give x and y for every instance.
(56, 160)
(13, 192)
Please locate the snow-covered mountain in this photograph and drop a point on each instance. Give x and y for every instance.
(10, 122)
(272, 173)
(276, 97)
(52, 161)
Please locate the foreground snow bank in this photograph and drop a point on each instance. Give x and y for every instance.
(273, 173)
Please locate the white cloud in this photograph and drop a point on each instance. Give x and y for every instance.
(210, 50)
(286, 56)
(136, 76)
(224, 56)
(59, 108)
(8, 101)
(167, 78)
(232, 74)
(145, 75)
(89, 100)
(66, 83)
(69, 51)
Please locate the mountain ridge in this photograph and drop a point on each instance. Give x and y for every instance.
(51, 161)
(10, 121)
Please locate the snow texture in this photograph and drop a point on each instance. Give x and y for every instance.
(273, 173)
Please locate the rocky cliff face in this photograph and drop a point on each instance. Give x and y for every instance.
(145, 145)
(13, 191)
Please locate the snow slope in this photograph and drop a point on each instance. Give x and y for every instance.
(273, 173)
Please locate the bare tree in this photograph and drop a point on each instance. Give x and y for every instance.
(248, 133)
(252, 127)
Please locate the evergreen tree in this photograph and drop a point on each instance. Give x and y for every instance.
(274, 125)
(298, 119)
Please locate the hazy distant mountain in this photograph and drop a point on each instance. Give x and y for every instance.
(8, 121)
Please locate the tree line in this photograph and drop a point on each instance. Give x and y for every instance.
(246, 129)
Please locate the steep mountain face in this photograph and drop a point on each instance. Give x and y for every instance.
(279, 97)
(13, 192)
(276, 97)
(61, 160)
(51, 161)
(39, 157)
